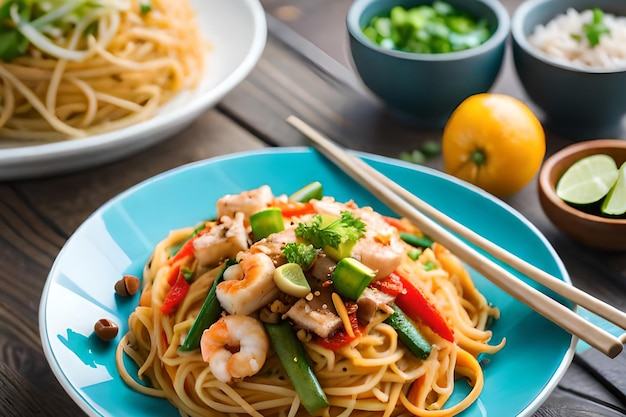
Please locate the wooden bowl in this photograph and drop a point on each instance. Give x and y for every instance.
(588, 229)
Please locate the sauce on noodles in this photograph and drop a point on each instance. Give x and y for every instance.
(78, 68)
(350, 351)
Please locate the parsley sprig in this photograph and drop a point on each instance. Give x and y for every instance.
(300, 253)
(345, 229)
(594, 30)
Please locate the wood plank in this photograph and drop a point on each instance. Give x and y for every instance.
(21, 398)
(37, 216)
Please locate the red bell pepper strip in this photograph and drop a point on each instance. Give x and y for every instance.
(187, 248)
(294, 208)
(415, 305)
(177, 293)
(390, 285)
(341, 338)
(395, 222)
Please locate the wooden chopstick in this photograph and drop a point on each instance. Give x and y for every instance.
(402, 202)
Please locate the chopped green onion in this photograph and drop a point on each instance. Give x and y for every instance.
(310, 191)
(23, 23)
(265, 222)
(414, 253)
(439, 28)
(351, 277)
(430, 265)
(187, 274)
(145, 6)
(597, 28)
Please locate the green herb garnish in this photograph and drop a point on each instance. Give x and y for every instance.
(430, 265)
(423, 153)
(594, 30)
(12, 43)
(301, 254)
(438, 28)
(187, 274)
(346, 229)
(145, 6)
(45, 24)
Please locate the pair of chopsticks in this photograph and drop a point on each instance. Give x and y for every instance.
(431, 222)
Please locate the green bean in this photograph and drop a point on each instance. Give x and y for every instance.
(408, 333)
(209, 313)
(416, 241)
(296, 363)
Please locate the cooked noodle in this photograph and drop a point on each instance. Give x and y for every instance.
(131, 64)
(374, 375)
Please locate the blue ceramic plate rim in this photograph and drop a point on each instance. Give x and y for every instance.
(118, 237)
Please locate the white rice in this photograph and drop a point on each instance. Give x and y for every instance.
(556, 40)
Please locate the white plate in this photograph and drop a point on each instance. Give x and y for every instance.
(237, 30)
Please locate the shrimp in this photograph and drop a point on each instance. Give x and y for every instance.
(235, 347)
(247, 202)
(248, 285)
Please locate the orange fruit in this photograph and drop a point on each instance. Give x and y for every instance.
(493, 141)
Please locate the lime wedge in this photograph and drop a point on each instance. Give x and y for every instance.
(588, 180)
(290, 279)
(615, 202)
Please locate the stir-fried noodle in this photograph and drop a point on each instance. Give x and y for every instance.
(372, 373)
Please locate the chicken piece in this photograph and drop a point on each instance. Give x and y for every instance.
(247, 202)
(223, 241)
(323, 267)
(381, 247)
(370, 301)
(317, 316)
(273, 245)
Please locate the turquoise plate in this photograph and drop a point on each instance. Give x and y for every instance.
(118, 238)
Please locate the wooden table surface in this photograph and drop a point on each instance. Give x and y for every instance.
(305, 70)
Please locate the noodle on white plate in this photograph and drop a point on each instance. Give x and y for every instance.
(94, 67)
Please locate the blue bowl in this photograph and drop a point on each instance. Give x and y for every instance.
(425, 88)
(578, 102)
